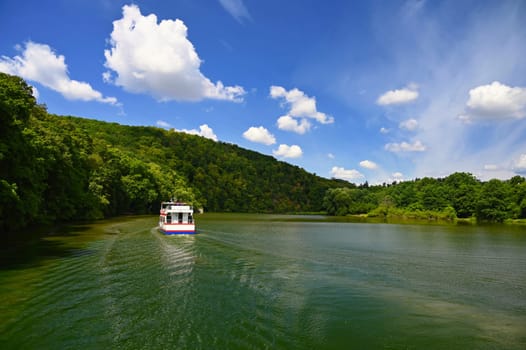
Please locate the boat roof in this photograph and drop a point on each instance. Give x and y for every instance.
(174, 203)
(176, 207)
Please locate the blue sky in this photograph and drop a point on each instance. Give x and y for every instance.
(371, 91)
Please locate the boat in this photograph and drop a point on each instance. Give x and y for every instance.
(176, 218)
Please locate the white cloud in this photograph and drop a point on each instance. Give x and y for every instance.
(397, 175)
(204, 131)
(163, 124)
(496, 101)
(416, 146)
(158, 59)
(344, 174)
(36, 94)
(330, 155)
(236, 8)
(106, 77)
(288, 123)
(491, 167)
(520, 164)
(405, 95)
(465, 119)
(39, 63)
(301, 105)
(286, 151)
(301, 108)
(409, 124)
(367, 164)
(259, 135)
(384, 130)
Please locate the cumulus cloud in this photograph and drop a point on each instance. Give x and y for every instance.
(301, 108)
(395, 147)
(401, 96)
(288, 123)
(204, 131)
(495, 101)
(286, 151)
(397, 175)
(384, 130)
(409, 124)
(236, 8)
(345, 174)
(367, 164)
(39, 63)
(259, 135)
(158, 59)
(163, 124)
(520, 164)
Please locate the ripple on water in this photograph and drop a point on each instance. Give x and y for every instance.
(256, 285)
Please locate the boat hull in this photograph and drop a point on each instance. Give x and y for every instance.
(177, 229)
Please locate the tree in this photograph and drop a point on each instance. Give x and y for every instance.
(491, 204)
(462, 191)
(430, 194)
(337, 201)
(19, 177)
(403, 194)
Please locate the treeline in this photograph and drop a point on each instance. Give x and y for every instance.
(459, 195)
(55, 168)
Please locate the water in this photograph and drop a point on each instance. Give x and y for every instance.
(260, 282)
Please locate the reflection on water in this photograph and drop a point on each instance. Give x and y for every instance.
(252, 281)
(177, 252)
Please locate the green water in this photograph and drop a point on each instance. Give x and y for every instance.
(267, 282)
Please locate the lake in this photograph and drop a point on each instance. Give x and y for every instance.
(267, 282)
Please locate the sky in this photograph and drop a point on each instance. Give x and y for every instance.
(375, 91)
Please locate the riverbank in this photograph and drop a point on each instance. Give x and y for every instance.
(422, 220)
(516, 222)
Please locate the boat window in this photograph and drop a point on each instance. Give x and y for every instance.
(180, 217)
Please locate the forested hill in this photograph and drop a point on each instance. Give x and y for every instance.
(221, 176)
(55, 168)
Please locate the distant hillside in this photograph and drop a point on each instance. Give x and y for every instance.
(55, 168)
(223, 176)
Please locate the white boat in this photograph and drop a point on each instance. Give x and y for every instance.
(176, 218)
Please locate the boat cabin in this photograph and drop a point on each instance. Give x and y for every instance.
(175, 217)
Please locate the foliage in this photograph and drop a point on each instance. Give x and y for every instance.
(343, 201)
(56, 168)
(459, 195)
(223, 177)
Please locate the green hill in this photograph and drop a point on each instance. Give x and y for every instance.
(55, 168)
(222, 176)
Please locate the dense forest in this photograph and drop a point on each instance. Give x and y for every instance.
(457, 196)
(58, 168)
